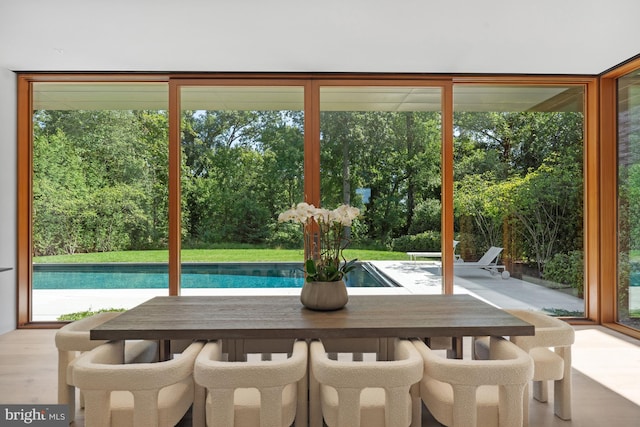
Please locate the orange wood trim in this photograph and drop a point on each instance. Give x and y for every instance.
(609, 201)
(312, 143)
(592, 236)
(381, 81)
(247, 82)
(24, 205)
(599, 221)
(634, 333)
(175, 153)
(532, 80)
(622, 69)
(447, 189)
(94, 77)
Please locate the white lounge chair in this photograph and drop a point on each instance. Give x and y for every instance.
(415, 255)
(489, 262)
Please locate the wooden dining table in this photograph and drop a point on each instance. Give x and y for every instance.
(167, 318)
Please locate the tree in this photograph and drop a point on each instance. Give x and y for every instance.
(480, 198)
(91, 167)
(543, 205)
(519, 174)
(395, 155)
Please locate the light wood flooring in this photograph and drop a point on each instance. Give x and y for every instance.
(606, 378)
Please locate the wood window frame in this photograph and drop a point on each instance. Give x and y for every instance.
(607, 287)
(596, 244)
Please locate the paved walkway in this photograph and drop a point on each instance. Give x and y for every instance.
(424, 277)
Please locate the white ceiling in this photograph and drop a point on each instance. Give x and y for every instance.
(412, 36)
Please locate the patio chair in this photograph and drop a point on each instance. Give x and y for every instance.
(254, 392)
(73, 338)
(415, 255)
(549, 365)
(476, 393)
(488, 261)
(141, 394)
(365, 393)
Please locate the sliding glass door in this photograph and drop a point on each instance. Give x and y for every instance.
(628, 289)
(519, 187)
(99, 196)
(242, 160)
(381, 151)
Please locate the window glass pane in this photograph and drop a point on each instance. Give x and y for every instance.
(518, 186)
(381, 152)
(629, 200)
(242, 164)
(99, 196)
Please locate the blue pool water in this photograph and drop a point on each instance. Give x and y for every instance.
(196, 275)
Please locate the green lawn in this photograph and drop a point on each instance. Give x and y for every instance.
(212, 255)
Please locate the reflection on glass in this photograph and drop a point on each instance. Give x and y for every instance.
(518, 179)
(629, 200)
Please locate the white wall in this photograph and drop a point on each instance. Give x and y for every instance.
(421, 36)
(7, 200)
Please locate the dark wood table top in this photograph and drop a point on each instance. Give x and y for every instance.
(220, 317)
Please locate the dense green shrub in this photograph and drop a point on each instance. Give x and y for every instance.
(286, 236)
(568, 269)
(426, 216)
(425, 242)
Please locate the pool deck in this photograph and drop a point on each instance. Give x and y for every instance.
(416, 277)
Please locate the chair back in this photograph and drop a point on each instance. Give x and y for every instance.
(71, 339)
(273, 380)
(549, 331)
(491, 256)
(450, 386)
(350, 378)
(100, 372)
(554, 364)
(74, 336)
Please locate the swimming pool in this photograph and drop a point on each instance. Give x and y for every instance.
(194, 275)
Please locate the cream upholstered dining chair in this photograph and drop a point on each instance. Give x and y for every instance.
(265, 393)
(476, 393)
(139, 395)
(549, 365)
(73, 338)
(366, 393)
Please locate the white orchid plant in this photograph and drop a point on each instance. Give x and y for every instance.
(324, 232)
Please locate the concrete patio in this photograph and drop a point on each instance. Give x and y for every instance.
(424, 277)
(417, 277)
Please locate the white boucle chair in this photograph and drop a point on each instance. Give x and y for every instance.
(549, 365)
(139, 395)
(265, 393)
(73, 338)
(366, 393)
(476, 393)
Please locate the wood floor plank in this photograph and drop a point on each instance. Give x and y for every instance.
(28, 375)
